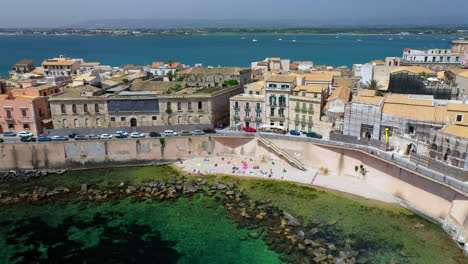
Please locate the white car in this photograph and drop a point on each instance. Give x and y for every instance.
(25, 134)
(137, 135)
(106, 136)
(168, 133)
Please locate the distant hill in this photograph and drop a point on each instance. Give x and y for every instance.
(441, 21)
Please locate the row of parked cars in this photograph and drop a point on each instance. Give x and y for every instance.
(311, 134)
(29, 137)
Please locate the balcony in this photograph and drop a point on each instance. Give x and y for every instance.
(236, 117)
(258, 119)
(236, 108)
(247, 109)
(258, 110)
(277, 117)
(247, 119)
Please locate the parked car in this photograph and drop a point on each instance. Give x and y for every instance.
(185, 133)
(25, 134)
(106, 136)
(137, 135)
(93, 136)
(72, 135)
(294, 133)
(9, 134)
(121, 134)
(209, 131)
(154, 134)
(250, 129)
(28, 139)
(59, 138)
(80, 137)
(198, 133)
(43, 138)
(1, 140)
(168, 133)
(312, 134)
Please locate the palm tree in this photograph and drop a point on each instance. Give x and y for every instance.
(374, 85)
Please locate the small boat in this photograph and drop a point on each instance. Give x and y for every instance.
(443, 39)
(293, 40)
(359, 40)
(242, 38)
(280, 39)
(390, 38)
(461, 38)
(254, 40)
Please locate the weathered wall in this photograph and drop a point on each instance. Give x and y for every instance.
(440, 202)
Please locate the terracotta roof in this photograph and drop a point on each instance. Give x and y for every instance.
(366, 93)
(414, 69)
(458, 71)
(408, 99)
(217, 70)
(24, 62)
(156, 64)
(464, 74)
(311, 88)
(173, 65)
(256, 85)
(321, 76)
(341, 92)
(281, 78)
(275, 59)
(457, 107)
(368, 99)
(379, 62)
(461, 131)
(342, 82)
(417, 112)
(441, 75)
(42, 87)
(58, 62)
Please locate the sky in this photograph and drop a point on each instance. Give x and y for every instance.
(60, 13)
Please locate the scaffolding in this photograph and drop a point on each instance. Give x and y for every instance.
(410, 83)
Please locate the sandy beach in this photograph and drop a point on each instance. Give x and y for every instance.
(280, 170)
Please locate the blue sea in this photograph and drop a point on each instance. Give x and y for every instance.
(214, 50)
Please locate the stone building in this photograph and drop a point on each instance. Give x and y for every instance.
(450, 145)
(61, 66)
(215, 77)
(89, 107)
(21, 67)
(277, 94)
(306, 107)
(79, 107)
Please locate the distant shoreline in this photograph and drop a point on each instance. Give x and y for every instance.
(235, 34)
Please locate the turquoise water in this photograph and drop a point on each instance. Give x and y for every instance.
(183, 231)
(225, 50)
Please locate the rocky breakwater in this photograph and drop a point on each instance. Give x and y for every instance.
(282, 232)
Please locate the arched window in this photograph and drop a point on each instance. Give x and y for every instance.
(74, 108)
(65, 123)
(448, 152)
(75, 123)
(85, 108)
(168, 105)
(455, 160)
(86, 121)
(62, 107)
(433, 151)
(190, 119)
(179, 119)
(98, 122)
(96, 108)
(200, 106)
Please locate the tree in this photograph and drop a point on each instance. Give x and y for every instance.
(374, 85)
(170, 75)
(231, 82)
(125, 80)
(170, 62)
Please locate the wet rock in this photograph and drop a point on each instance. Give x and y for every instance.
(52, 193)
(332, 247)
(131, 189)
(419, 225)
(300, 235)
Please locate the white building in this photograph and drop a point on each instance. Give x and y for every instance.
(430, 56)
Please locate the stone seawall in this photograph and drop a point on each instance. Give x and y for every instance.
(444, 204)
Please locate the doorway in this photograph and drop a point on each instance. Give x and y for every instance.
(133, 122)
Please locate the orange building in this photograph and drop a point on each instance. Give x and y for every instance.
(26, 109)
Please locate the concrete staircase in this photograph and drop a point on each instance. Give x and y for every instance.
(282, 153)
